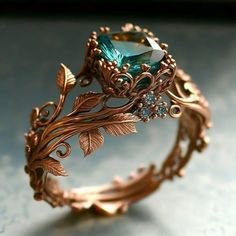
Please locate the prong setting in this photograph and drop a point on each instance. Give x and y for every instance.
(151, 106)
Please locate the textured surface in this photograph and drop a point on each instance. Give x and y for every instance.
(202, 203)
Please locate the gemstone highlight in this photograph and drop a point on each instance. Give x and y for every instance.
(161, 110)
(150, 98)
(145, 113)
(134, 48)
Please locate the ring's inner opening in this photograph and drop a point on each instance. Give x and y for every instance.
(119, 155)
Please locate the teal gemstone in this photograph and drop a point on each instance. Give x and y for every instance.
(150, 98)
(135, 48)
(145, 112)
(143, 83)
(161, 110)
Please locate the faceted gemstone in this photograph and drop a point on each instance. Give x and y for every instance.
(135, 48)
(150, 98)
(145, 112)
(161, 110)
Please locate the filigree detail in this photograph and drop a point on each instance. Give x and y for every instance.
(60, 153)
(50, 133)
(119, 82)
(114, 198)
(175, 110)
(90, 141)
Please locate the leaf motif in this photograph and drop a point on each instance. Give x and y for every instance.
(121, 124)
(65, 79)
(51, 165)
(90, 141)
(87, 101)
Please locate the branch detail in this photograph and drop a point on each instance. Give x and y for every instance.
(50, 132)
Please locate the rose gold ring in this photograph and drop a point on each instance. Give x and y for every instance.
(129, 64)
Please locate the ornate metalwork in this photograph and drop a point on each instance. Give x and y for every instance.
(49, 131)
(119, 82)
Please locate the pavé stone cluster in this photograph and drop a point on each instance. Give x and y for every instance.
(151, 107)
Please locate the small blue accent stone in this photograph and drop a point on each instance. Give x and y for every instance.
(145, 112)
(150, 98)
(135, 48)
(161, 110)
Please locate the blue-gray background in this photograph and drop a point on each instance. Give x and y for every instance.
(202, 203)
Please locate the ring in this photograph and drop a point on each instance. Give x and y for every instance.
(129, 64)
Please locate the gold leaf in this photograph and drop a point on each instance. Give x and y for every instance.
(87, 101)
(121, 124)
(65, 79)
(90, 141)
(51, 165)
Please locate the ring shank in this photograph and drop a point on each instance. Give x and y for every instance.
(115, 197)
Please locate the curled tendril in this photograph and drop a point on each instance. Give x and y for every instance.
(63, 153)
(44, 113)
(175, 111)
(123, 82)
(142, 76)
(160, 84)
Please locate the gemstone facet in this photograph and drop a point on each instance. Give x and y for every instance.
(145, 113)
(161, 110)
(134, 48)
(150, 98)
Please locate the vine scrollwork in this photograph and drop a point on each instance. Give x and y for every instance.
(47, 139)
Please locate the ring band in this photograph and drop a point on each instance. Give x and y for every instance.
(129, 64)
